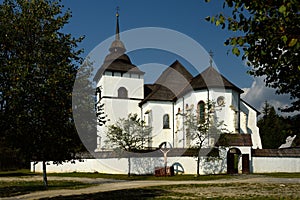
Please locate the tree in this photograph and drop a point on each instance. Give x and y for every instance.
(38, 68)
(274, 129)
(100, 113)
(268, 37)
(201, 130)
(271, 128)
(84, 105)
(129, 135)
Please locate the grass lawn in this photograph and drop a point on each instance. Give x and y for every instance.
(144, 177)
(21, 172)
(14, 188)
(282, 175)
(201, 191)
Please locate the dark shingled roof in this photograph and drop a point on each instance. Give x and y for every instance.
(234, 140)
(171, 82)
(258, 113)
(211, 78)
(148, 88)
(289, 152)
(117, 64)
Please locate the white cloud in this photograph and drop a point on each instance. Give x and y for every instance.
(258, 93)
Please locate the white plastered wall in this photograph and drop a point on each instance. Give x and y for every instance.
(251, 124)
(157, 109)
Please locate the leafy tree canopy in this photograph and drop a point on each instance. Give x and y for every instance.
(203, 129)
(129, 135)
(267, 36)
(38, 65)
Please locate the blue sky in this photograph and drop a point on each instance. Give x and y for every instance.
(96, 20)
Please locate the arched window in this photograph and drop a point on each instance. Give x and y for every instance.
(166, 121)
(201, 111)
(122, 92)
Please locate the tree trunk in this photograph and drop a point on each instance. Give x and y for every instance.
(198, 166)
(45, 175)
(129, 166)
(198, 163)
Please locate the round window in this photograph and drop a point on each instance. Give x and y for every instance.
(221, 101)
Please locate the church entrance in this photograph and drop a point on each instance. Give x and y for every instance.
(233, 157)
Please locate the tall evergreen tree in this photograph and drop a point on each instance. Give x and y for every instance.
(38, 68)
(272, 128)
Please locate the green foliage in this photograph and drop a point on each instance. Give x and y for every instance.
(129, 134)
(38, 68)
(274, 129)
(83, 102)
(267, 36)
(100, 113)
(200, 131)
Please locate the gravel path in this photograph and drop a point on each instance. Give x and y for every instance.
(111, 185)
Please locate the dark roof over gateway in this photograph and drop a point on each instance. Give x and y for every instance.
(234, 140)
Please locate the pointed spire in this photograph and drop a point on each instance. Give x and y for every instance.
(117, 45)
(117, 28)
(211, 55)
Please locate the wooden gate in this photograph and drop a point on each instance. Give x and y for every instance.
(245, 164)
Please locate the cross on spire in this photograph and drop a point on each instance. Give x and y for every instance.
(117, 11)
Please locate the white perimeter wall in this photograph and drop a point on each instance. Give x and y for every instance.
(275, 164)
(186, 165)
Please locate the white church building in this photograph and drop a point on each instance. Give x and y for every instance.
(163, 106)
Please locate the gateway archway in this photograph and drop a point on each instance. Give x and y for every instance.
(233, 157)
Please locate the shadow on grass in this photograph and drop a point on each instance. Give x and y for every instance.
(128, 194)
(22, 172)
(143, 177)
(16, 174)
(10, 189)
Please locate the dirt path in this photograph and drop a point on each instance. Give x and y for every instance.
(111, 185)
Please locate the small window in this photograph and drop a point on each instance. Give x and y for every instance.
(108, 73)
(134, 76)
(166, 121)
(127, 75)
(201, 110)
(122, 92)
(117, 74)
